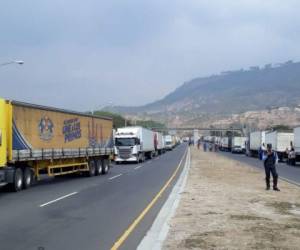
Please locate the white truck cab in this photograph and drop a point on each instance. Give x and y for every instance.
(133, 144)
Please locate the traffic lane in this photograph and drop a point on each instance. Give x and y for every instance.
(96, 216)
(130, 195)
(51, 188)
(288, 172)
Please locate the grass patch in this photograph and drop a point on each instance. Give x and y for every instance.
(292, 226)
(247, 217)
(202, 240)
(284, 207)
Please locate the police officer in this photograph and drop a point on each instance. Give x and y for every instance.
(270, 160)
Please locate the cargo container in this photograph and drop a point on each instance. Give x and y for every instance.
(281, 142)
(160, 143)
(169, 142)
(257, 140)
(238, 144)
(134, 144)
(297, 140)
(37, 139)
(296, 144)
(225, 144)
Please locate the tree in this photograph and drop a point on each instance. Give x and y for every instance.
(118, 120)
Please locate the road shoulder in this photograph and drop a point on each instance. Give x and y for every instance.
(158, 232)
(225, 206)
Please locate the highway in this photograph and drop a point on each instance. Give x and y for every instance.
(87, 213)
(290, 173)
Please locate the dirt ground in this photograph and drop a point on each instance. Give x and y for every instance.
(225, 206)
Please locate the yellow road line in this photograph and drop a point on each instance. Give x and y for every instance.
(134, 224)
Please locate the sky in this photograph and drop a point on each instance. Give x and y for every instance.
(84, 55)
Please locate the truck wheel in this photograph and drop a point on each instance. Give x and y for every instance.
(143, 157)
(27, 178)
(92, 169)
(140, 158)
(105, 166)
(18, 180)
(98, 167)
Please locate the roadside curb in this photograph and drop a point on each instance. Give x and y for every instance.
(157, 234)
(289, 181)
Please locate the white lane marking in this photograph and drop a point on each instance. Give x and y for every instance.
(58, 199)
(114, 177)
(139, 167)
(149, 161)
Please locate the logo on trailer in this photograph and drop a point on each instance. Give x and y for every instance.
(71, 129)
(46, 128)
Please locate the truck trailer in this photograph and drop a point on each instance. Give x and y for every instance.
(297, 143)
(134, 144)
(225, 144)
(280, 141)
(238, 144)
(169, 142)
(257, 140)
(37, 140)
(159, 143)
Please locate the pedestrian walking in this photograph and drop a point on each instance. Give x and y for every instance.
(270, 159)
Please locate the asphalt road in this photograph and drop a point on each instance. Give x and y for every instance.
(86, 213)
(291, 173)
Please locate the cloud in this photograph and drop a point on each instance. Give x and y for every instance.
(80, 55)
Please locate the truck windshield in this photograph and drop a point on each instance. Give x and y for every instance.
(126, 141)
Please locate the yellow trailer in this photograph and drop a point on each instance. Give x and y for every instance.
(36, 139)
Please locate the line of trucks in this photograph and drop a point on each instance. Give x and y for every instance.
(37, 140)
(136, 144)
(282, 142)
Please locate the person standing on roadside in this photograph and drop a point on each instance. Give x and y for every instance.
(198, 143)
(270, 159)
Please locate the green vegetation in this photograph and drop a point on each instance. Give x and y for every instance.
(149, 124)
(120, 121)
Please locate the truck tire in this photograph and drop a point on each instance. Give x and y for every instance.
(98, 167)
(17, 181)
(27, 177)
(143, 158)
(92, 168)
(105, 166)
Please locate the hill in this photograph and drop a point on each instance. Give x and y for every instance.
(228, 93)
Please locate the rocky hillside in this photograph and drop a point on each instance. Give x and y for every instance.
(231, 92)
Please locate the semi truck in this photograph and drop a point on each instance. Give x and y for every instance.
(238, 144)
(169, 142)
(297, 143)
(134, 144)
(280, 141)
(37, 140)
(257, 140)
(225, 144)
(159, 143)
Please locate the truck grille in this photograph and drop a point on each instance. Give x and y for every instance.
(124, 153)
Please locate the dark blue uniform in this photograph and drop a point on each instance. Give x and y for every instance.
(270, 161)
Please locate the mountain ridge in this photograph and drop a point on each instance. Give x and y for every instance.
(230, 92)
